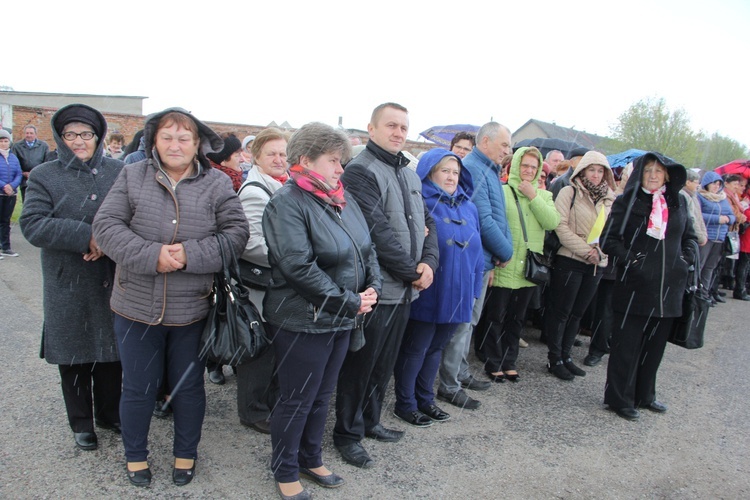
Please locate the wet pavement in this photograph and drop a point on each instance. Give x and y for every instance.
(538, 438)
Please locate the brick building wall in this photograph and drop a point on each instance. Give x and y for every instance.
(128, 125)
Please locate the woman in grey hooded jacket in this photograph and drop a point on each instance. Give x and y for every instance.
(159, 225)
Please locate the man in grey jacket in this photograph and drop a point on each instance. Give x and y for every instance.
(30, 152)
(405, 238)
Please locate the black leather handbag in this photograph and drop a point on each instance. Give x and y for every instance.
(687, 330)
(537, 268)
(234, 331)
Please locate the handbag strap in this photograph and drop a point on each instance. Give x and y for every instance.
(520, 216)
(255, 184)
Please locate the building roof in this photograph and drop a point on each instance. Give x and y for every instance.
(567, 134)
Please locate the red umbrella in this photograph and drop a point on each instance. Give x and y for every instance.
(741, 167)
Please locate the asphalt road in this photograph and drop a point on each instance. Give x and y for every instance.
(539, 438)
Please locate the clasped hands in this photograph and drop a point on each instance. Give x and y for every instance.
(171, 258)
(368, 299)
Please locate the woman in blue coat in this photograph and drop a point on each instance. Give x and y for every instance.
(439, 310)
(10, 179)
(718, 216)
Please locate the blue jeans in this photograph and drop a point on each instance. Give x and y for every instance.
(144, 349)
(418, 363)
(308, 366)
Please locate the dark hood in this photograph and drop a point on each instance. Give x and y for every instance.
(676, 172)
(84, 114)
(209, 140)
(433, 157)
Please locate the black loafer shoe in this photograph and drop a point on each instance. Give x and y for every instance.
(86, 440)
(655, 406)
(460, 399)
(740, 296)
(720, 299)
(572, 368)
(415, 418)
(330, 481)
(263, 426)
(475, 385)
(592, 360)
(112, 426)
(558, 370)
(302, 495)
(628, 413)
(435, 413)
(498, 379)
(356, 455)
(380, 433)
(216, 377)
(140, 477)
(181, 477)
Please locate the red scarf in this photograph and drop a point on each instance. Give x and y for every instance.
(314, 183)
(282, 178)
(235, 175)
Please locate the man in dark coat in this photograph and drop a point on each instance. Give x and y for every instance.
(405, 238)
(31, 152)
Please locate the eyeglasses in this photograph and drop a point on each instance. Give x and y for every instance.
(71, 136)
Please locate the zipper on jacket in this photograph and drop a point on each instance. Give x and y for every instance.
(160, 176)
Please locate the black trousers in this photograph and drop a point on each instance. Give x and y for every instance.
(573, 286)
(743, 266)
(638, 344)
(505, 313)
(365, 374)
(257, 387)
(603, 319)
(79, 382)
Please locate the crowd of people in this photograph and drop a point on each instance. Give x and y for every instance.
(361, 268)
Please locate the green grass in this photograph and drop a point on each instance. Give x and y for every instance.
(16, 211)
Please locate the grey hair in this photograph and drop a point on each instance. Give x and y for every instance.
(30, 126)
(549, 153)
(490, 129)
(316, 139)
(692, 175)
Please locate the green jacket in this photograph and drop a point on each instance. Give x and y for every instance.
(539, 215)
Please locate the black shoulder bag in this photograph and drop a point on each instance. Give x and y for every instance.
(255, 275)
(687, 330)
(537, 267)
(234, 330)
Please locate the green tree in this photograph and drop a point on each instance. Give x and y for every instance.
(719, 150)
(651, 126)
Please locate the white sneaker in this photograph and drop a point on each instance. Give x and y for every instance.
(522, 343)
(8, 253)
(1, 257)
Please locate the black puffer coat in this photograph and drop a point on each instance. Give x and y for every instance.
(652, 274)
(317, 272)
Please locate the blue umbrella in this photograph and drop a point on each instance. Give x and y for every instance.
(443, 134)
(619, 160)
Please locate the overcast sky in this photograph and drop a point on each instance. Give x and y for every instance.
(578, 64)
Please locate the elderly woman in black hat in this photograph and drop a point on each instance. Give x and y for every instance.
(61, 200)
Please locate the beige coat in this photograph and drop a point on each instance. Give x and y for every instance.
(577, 220)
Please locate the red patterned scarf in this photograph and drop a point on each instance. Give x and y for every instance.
(314, 183)
(657, 221)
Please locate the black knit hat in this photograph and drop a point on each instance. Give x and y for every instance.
(577, 152)
(80, 113)
(231, 146)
